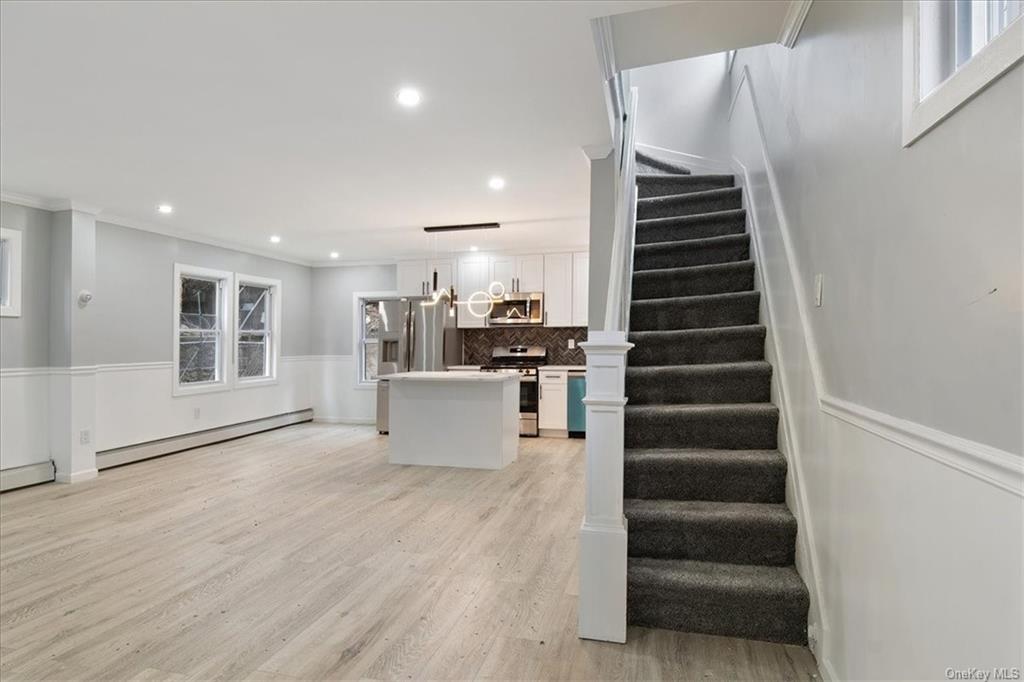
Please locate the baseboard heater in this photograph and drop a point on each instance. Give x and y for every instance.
(166, 446)
(30, 474)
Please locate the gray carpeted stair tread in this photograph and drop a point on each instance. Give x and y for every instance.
(647, 164)
(707, 201)
(697, 226)
(697, 346)
(694, 280)
(660, 184)
(755, 602)
(700, 530)
(743, 426)
(706, 251)
(734, 382)
(701, 474)
(695, 312)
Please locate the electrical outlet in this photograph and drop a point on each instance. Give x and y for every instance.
(572, 343)
(195, 413)
(818, 282)
(83, 437)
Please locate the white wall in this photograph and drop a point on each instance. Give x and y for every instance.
(901, 396)
(680, 105)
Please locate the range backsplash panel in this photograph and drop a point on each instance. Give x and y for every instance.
(477, 343)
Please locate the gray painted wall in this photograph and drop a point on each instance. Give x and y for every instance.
(921, 246)
(24, 341)
(135, 280)
(693, 90)
(602, 230)
(331, 326)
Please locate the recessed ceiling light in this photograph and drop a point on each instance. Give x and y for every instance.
(408, 97)
(274, 239)
(474, 248)
(165, 208)
(335, 254)
(496, 183)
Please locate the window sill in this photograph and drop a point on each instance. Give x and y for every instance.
(186, 390)
(256, 383)
(995, 59)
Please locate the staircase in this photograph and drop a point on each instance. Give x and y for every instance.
(711, 541)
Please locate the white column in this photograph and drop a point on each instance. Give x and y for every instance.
(73, 345)
(602, 601)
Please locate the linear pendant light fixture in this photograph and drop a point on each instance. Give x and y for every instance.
(459, 228)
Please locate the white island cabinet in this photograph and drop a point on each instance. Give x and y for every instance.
(454, 419)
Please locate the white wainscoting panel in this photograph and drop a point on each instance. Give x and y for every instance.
(24, 417)
(336, 397)
(135, 402)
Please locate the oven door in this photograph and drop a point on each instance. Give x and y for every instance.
(528, 404)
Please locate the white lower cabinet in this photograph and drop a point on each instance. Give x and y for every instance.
(552, 413)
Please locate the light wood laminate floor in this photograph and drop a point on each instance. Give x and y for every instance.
(302, 554)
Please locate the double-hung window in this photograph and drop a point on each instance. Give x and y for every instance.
(258, 313)
(10, 273)
(952, 49)
(200, 327)
(226, 330)
(369, 337)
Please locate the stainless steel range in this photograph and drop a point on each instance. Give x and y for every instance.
(524, 361)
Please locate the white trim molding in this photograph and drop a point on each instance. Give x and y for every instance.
(920, 115)
(29, 474)
(225, 298)
(796, 14)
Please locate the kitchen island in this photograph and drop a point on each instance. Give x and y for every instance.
(455, 419)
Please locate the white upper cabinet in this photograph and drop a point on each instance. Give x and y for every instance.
(445, 274)
(523, 274)
(558, 290)
(530, 273)
(416, 277)
(473, 275)
(580, 288)
(503, 269)
(412, 278)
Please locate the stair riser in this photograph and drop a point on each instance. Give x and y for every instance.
(766, 618)
(683, 283)
(713, 225)
(687, 205)
(762, 544)
(667, 185)
(697, 349)
(650, 165)
(713, 483)
(674, 314)
(667, 387)
(758, 431)
(680, 255)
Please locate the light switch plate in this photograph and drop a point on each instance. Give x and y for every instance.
(83, 437)
(818, 282)
(572, 343)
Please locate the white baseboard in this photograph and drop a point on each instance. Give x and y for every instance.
(166, 446)
(77, 476)
(691, 161)
(30, 474)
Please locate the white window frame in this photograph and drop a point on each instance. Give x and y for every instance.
(922, 114)
(13, 254)
(357, 334)
(274, 354)
(225, 300)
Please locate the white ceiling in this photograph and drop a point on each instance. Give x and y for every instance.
(254, 119)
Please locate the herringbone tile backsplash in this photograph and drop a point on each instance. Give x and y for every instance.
(477, 343)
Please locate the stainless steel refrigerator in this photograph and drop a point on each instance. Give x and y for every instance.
(416, 335)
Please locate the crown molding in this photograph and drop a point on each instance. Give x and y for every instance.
(796, 14)
(48, 204)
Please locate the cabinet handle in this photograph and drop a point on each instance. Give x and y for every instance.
(540, 391)
(515, 284)
(545, 318)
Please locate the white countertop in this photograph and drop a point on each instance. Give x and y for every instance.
(453, 377)
(565, 368)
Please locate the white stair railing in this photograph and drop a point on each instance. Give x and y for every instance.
(602, 567)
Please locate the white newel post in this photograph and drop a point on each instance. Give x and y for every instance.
(602, 601)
